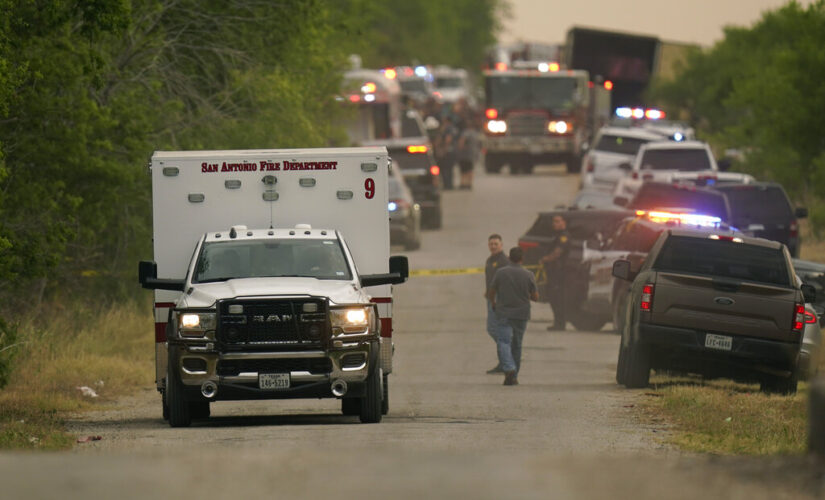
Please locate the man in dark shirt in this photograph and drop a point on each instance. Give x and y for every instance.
(554, 266)
(510, 293)
(495, 261)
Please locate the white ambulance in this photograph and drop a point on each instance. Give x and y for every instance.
(258, 295)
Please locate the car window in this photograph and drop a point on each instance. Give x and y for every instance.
(759, 204)
(405, 160)
(618, 144)
(411, 127)
(726, 259)
(683, 160)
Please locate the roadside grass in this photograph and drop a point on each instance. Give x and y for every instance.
(108, 351)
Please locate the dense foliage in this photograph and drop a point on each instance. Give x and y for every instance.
(760, 91)
(89, 88)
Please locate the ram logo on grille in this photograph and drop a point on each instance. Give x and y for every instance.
(272, 318)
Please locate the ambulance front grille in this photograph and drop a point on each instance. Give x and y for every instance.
(273, 325)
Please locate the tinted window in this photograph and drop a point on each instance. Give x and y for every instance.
(414, 85)
(619, 144)
(405, 160)
(725, 259)
(513, 92)
(758, 204)
(449, 82)
(410, 127)
(322, 259)
(683, 160)
(653, 196)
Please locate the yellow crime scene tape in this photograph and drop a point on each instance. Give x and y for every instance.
(452, 272)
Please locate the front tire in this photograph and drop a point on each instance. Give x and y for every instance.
(385, 400)
(180, 414)
(637, 372)
(371, 402)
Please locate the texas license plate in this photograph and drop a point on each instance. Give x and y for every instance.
(721, 342)
(273, 381)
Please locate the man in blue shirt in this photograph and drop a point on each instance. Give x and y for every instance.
(510, 293)
(495, 261)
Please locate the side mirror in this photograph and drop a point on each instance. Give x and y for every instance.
(627, 167)
(801, 212)
(621, 201)
(621, 270)
(809, 292)
(399, 272)
(724, 164)
(148, 278)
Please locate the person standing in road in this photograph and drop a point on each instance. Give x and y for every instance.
(495, 261)
(554, 267)
(510, 293)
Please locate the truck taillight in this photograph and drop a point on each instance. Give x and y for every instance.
(491, 113)
(793, 229)
(799, 317)
(809, 318)
(434, 170)
(647, 297)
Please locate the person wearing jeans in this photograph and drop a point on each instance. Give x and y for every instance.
(510, 293)
(495, 261)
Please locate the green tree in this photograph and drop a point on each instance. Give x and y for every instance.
(760, 90)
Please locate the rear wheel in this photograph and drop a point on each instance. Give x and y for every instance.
(385, 400)
(637, 371)
(573, 164)
(621, 367)
(785, 386)
(370, 412)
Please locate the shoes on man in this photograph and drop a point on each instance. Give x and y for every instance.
(555, 328)
(495, 369)
(511, 378)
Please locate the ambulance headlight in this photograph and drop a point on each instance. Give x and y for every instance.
(196, 324)
(350, 320)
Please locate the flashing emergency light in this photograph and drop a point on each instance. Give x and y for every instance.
(725, 238)
(368, 88)
(608, 85)
(553, 67)
(354, 98)
(544, 67)
(491, 113)
(390, 73)
(501, 66)
(434, 170)
(369, 97)
(654, 114)
(678, 137)
(421, 71)
(663, 217)
(417, 149)
(638, 113)
(408, 71)
(624, 112)
(392, 206)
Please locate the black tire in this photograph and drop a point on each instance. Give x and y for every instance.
(350, 406)
(618, 324)
(621, 365)
(370, 412)
(785, 386)
(637, 370)
(180, 414)
(385, 399)
(164, 405)
(587, 322)
(199, 410)
(574, 164)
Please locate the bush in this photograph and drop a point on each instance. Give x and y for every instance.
(8, 348)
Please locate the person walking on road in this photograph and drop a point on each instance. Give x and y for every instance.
(495, 261)
(554, 267)
(510, 293)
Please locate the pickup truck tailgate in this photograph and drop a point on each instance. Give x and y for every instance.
(725, 306)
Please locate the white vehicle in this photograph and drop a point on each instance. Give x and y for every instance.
(612, 147)
(659, 161)
(674, 131)
(452, 84)
(260, 295)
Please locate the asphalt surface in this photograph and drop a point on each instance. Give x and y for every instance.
(567, 431)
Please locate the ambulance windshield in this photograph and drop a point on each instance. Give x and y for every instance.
(311, 258)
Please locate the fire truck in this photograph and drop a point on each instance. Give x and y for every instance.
(540, 113)
(258, 294)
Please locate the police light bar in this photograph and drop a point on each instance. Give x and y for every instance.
(637, 113)
(368, 88)
(725, 238)
(608, 85)
(421, 71)
(390, 73)
(681, 218)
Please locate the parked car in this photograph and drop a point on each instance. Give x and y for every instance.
(811, 342)
(405, 213)
(611, 147)
(763, 209)
(720, 305)
(813, 273)
(423, 176)
(412, 125)
(591, 199)
(585, 227)
(658, 161)
(678, 198)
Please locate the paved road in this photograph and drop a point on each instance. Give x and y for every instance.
(452, 431)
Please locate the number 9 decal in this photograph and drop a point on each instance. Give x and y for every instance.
(369, 185)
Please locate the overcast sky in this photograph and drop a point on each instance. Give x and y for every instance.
(695, 21)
